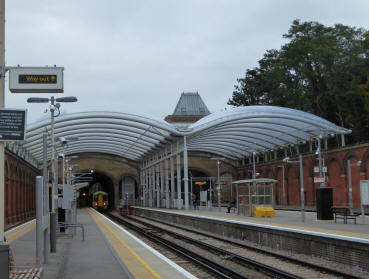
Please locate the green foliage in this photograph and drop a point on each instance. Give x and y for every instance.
(322, 70)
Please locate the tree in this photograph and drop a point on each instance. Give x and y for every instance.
(322, 70)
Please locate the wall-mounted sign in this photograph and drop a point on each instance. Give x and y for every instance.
(324, 169)
(319, 179)
(12, 124)
(36, 79)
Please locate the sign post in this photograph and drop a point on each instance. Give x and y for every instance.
(4, 248)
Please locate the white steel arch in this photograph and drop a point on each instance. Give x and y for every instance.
(234, 133)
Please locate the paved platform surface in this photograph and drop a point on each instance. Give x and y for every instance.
(107, 252)
(291, 219)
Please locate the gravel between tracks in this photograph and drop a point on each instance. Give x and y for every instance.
(302, 271)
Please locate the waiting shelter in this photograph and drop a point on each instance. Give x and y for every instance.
(255, 197)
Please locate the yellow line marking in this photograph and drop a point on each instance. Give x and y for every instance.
(14, 235)
(344, 233)
(126, 259)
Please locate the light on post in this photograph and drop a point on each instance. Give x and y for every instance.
(53, 106)
(218, 187)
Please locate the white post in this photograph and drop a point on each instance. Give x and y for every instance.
(350, 183)
(179, 190)
(172, 188)
(218, 186)
(145, 187)
(185, 172)
(320, 161)
(157, 185)
(302, 191)
(150, 186)
(161, 183)
(343, 143)
(166, 174)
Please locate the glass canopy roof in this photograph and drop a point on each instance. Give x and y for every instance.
(234, 133)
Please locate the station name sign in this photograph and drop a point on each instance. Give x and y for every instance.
(12, 124)
(36, 79)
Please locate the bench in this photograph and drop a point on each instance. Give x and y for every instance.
(343, 212)
(233, 208)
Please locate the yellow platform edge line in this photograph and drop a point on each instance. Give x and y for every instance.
(98, 218)
(15, 235)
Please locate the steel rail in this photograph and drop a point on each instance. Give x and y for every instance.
(218, 270)
(266, 269)
(287, 258)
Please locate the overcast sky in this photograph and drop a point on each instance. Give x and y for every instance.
(138, 56)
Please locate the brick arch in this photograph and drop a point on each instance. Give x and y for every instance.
(196, 169)
(335, 159)
(348, 156)
(269, 172)
(287, 169)
(364, 161)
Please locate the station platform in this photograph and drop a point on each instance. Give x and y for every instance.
(108, 251)
(286, 219)
(342, 245)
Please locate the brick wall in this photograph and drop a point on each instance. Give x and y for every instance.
(336, 162)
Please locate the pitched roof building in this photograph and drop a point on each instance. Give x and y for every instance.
(190, 108)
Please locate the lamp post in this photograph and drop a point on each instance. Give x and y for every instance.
(53, 106)
(283, 185)
(4, 255)
(302, 191)
(349, 165)
(218, 187)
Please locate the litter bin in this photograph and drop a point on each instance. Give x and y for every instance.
(324, 203)
(130, 209)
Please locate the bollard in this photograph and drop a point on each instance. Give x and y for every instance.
(52, 232)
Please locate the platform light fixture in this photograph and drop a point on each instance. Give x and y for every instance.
(218, 159)
(54, 105)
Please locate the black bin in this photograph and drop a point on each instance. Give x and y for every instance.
(324, 203)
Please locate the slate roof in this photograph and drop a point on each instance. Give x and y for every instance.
(191, 104)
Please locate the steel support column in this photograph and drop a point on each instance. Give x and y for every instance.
(161, 183)
(185, 173)
(172, 188)
(179, 190)
(150, 187)
(166, 183)
(157, 185)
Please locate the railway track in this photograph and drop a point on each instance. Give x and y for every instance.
(220, 262)
(321, 268)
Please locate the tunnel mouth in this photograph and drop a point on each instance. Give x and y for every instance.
(98, 181)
